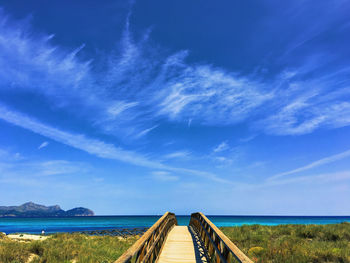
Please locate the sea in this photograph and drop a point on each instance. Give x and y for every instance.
(73, 224)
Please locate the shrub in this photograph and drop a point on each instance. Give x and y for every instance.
(293, 243)
(37, 248)
(64, 248)
(255, 251)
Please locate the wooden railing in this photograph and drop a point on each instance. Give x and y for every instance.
(219, 248)
(148, 247)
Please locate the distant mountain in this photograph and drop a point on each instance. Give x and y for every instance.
(31, 209)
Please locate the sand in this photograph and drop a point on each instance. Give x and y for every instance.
(26, 237)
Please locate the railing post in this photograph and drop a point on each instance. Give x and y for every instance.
(147, 248)
(220, 249)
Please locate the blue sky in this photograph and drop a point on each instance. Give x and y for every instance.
(237, 107)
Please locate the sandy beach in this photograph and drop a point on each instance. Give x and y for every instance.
(26, 237)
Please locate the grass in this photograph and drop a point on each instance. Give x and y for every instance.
(283, 243)
(293, 243)
(65, 248)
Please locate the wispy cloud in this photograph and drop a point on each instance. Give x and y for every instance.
(167, 87)
(30, 62)
(94, 146)
(57, 167)
(160, 86)
(8, 156)
(221, 147)
(118, 107)
(189, 122)
(307, 105)
(145, 131)
(26, 168)
(314, 179)
(164, 176)
(43, 145)
(248, 138)
(224, 156)
(177, 155)
(320, 162)
(210, 94)
(78, 141)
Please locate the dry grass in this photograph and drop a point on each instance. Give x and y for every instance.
(293, 243)
(65, 248)
(284, 243)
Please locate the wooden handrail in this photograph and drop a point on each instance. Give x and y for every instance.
(220, 248)
(148, 247)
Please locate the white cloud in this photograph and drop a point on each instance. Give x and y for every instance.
(160, 85)
(118, 107)
(288, 104)
(30, 62)
(26, 168)
(43, 145)
(248, 138)
(165, 86)
(314, 179)
(145, 131)
(211, 95)
(164, 176)
(301, 107)
(94, 146)
(178, 155)
(78, 141)
(320, 162)
(7, 156)
(57, 167)
(222, 159)
(221, 147)
(189, 122)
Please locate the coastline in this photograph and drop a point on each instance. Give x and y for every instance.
(35, 225)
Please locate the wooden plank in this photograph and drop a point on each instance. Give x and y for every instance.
(239, 254)
(181, 246)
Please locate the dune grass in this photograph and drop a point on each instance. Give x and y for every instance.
(293, 243)
(65, 248)
(283, 243)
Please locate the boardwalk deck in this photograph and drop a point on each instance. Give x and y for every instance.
(182, 246)
(166, 242)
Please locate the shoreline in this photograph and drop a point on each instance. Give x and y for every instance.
(108, 223)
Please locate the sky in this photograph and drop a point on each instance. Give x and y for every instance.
(237, 107)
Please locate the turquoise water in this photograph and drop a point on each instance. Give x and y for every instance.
(70, 224)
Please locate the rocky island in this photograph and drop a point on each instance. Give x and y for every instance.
(31, 209)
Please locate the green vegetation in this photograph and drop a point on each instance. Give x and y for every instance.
(284, 243)
(65, 248)
(293, 243)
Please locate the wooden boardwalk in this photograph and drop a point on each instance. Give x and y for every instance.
(166, 242)
(182, 245)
